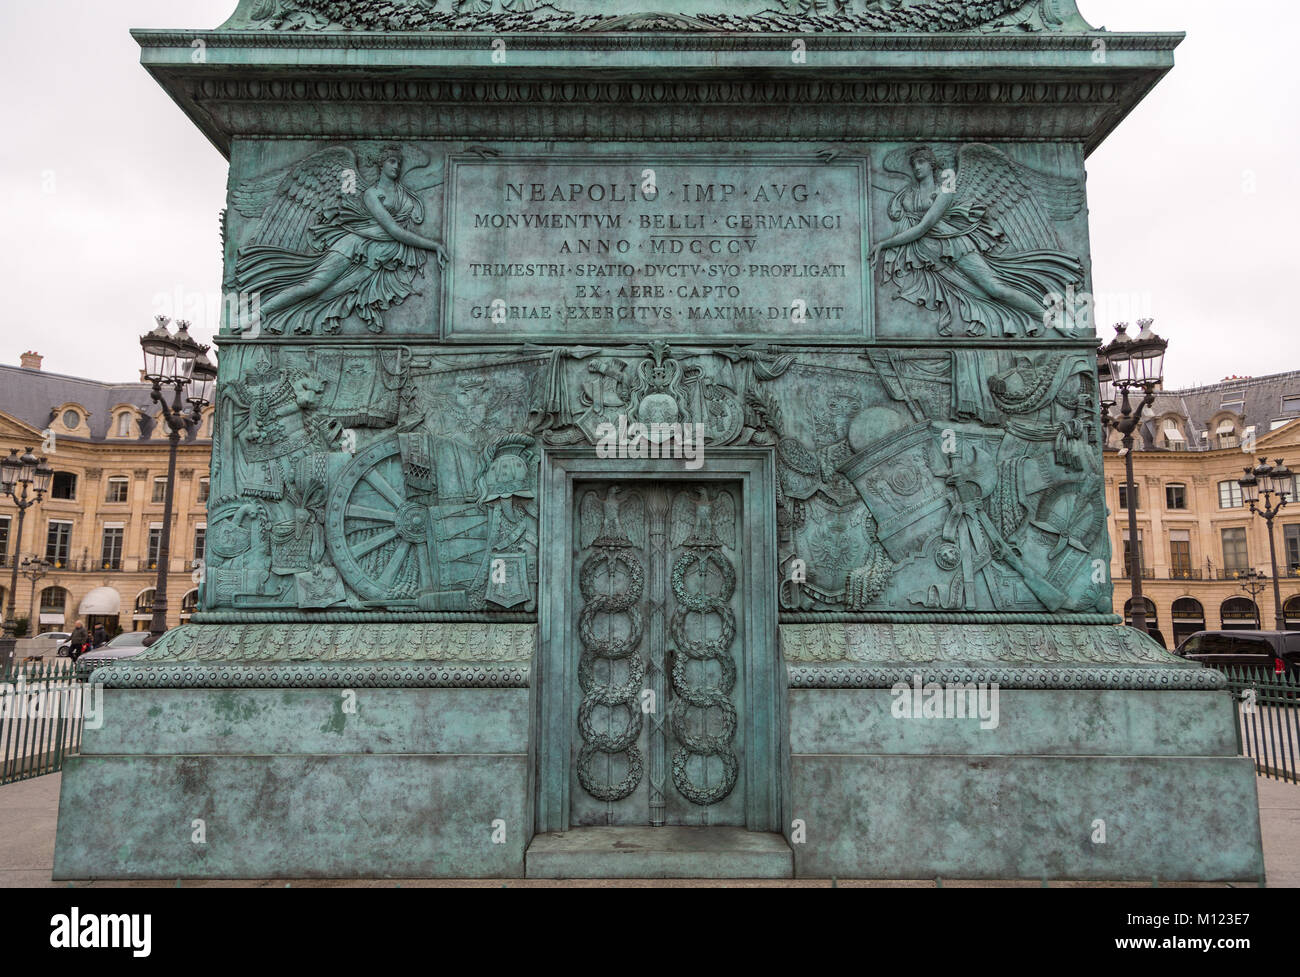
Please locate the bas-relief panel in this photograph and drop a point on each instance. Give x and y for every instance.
(561, 242)
(398, 473)
(406, 476)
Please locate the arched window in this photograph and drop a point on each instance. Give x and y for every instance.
(53, 611)
(1239, 614)
(189, 604)
(1291, 613)
(1189, 617)
(1150, 609)
(124, 424)
(143, 609)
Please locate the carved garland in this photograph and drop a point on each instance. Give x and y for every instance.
(700, 701)
(609, 649)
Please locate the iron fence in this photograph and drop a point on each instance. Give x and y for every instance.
(41, 717)
(1268, 711)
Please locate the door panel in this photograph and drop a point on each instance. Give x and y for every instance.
(658, 638)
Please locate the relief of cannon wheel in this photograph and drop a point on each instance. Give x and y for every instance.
(394, 545)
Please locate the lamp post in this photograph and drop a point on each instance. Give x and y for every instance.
(174, 362)
(34, 569)
(1252, 582)
(1129, 364)
(19, 475)
(1275, 483)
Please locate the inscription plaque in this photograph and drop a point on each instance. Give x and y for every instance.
(588, 248)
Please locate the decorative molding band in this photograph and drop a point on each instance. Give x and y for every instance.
(941, 617)
(313, 642)
(430, 675)
(361, 617)
(707, 94)
(702, 41)
(1077, 678)
(963, 644)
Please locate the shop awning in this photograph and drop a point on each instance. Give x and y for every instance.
(102, 601)
(1225, 427)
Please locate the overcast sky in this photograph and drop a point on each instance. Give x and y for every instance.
(109, 196)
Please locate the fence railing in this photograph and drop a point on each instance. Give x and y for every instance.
(41, 718)
(1268, 709)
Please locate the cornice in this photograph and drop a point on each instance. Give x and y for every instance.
(636, 41)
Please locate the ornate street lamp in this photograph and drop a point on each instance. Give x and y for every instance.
(19, 475)
(1127, 364)
(1252, 582)
(175, 361)
(1275, 483)
(34, 569)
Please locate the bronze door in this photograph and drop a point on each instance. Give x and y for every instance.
(657, 634)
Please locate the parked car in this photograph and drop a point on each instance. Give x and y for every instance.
(1271, 651)
(53, 636)
(125, 645)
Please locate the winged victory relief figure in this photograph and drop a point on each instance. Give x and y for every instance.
(975, 240)
(330, 245)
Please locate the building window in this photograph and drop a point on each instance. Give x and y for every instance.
(58, 543)
(53, 600)
(1175, 496)
(1180, 554)
(1128, 554)
(189, 603)
(63, 486)
(71, 419)
(200, 543)
(1235, 555)
(124, 425)
(205, 486)
(1174, 439)
(1239, 614)
(143, 613)
(160, 489)
(4, 540)
(1291, 546)
(117, 489)
(1123, 497)
(155, 543)
(111, 553)
(1230, 495)
(1291, 404)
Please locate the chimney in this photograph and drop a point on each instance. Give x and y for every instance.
(31, 360)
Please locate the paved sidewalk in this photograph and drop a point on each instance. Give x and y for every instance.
(29, 810)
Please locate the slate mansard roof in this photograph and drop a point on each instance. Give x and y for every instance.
(1264, 401)
(33, 396)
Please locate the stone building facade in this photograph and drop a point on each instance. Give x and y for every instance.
(100, 524)
(1197, 534)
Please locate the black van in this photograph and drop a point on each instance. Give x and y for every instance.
(1273, 651)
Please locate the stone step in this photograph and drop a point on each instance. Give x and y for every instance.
(669, 852)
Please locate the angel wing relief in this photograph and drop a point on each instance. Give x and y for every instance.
(330, 245)
(976, 241)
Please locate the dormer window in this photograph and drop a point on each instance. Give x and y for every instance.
(124, 425)
(1173, 436)
(71, 419)
(1227, 433)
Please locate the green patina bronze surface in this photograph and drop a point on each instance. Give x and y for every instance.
(617, 404)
